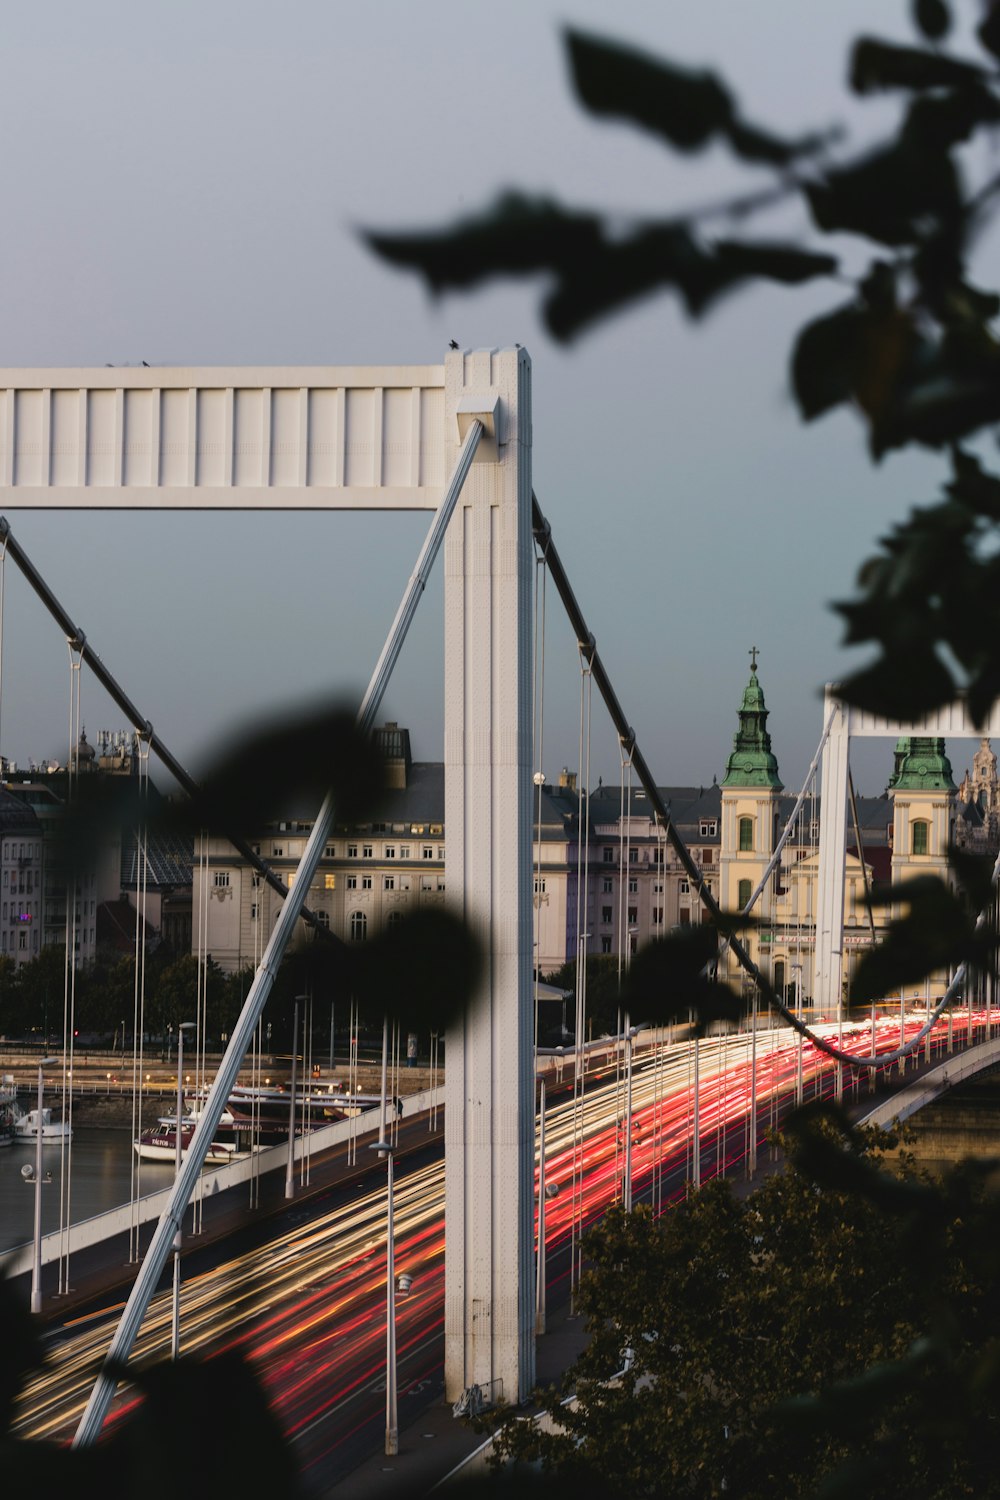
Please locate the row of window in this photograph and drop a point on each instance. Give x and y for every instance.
(21, 945)
(23, 851)
(359, 924)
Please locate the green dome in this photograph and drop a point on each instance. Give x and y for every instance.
(752, 762)
(921, 765)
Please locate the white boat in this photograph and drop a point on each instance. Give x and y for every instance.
(26, 1127)
(159, 1143)
(8, 1109)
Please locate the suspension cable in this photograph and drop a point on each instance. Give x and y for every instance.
(588, 648)
(77, 640)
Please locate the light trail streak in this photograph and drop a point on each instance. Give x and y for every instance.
(307, 1310)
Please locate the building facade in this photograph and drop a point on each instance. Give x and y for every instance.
(606, 881)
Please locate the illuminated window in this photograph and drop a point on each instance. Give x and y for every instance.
(329, 882)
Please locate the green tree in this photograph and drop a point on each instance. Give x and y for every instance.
(9, 1007)
(603, 991)
(177, 991)
(40, 991)
(812, 1334)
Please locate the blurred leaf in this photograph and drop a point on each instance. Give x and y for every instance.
(755, 145)
(422, 971)
(216, 1409)
(933, 933)
(988, 31)
(774, 262)
(685, 108)
(937, 121)
(518, 235)
(892, 195)
(884, 65)
(933, 18)
(901, 685)
(289, 766)
(602, 278)
(974, 874)
(666, 979)
(825, 361)
(973, 486)
(22, 1350)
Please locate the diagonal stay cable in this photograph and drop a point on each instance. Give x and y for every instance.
(77, 641)
(587, 644)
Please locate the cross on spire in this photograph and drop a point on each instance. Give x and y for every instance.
(752, 653)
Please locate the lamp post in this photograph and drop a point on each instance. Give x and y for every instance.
(36, 1264)
(290, 1167)
(540, 1268)
(384, 1148)
(175, 1319)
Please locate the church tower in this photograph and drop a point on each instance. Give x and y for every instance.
(923, 797)
(750, 790)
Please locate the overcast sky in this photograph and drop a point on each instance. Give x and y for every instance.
(183, 183)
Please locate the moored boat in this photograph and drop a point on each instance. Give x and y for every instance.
(159, 1143)
(26, 1126)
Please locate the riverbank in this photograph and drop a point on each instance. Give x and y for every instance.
(102, 1085)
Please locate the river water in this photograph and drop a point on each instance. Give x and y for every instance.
(100, 1179)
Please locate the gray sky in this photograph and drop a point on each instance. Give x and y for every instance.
(182, 184)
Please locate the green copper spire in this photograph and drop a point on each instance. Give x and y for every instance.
(752, 763)
(921, 765)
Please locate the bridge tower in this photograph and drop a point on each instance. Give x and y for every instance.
(489, 1088)
(386, 438)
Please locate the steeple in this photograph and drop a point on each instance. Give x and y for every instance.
(752, 763)
(921, 765)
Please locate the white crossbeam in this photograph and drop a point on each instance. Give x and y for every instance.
(227, 438)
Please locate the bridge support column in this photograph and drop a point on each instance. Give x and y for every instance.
(489, 1115)
(828, 975)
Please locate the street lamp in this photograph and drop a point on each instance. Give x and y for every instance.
(290, 1165)
(384, 1148)
(36, 1265)
(175, 1322)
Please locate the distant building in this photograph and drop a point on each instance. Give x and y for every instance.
(21, 868)
(606, 880)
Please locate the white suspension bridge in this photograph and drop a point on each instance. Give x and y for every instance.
(453, 439)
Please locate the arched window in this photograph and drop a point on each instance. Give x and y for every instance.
(743, 893)
(359, 926)
(918, 837)
(746, 834)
